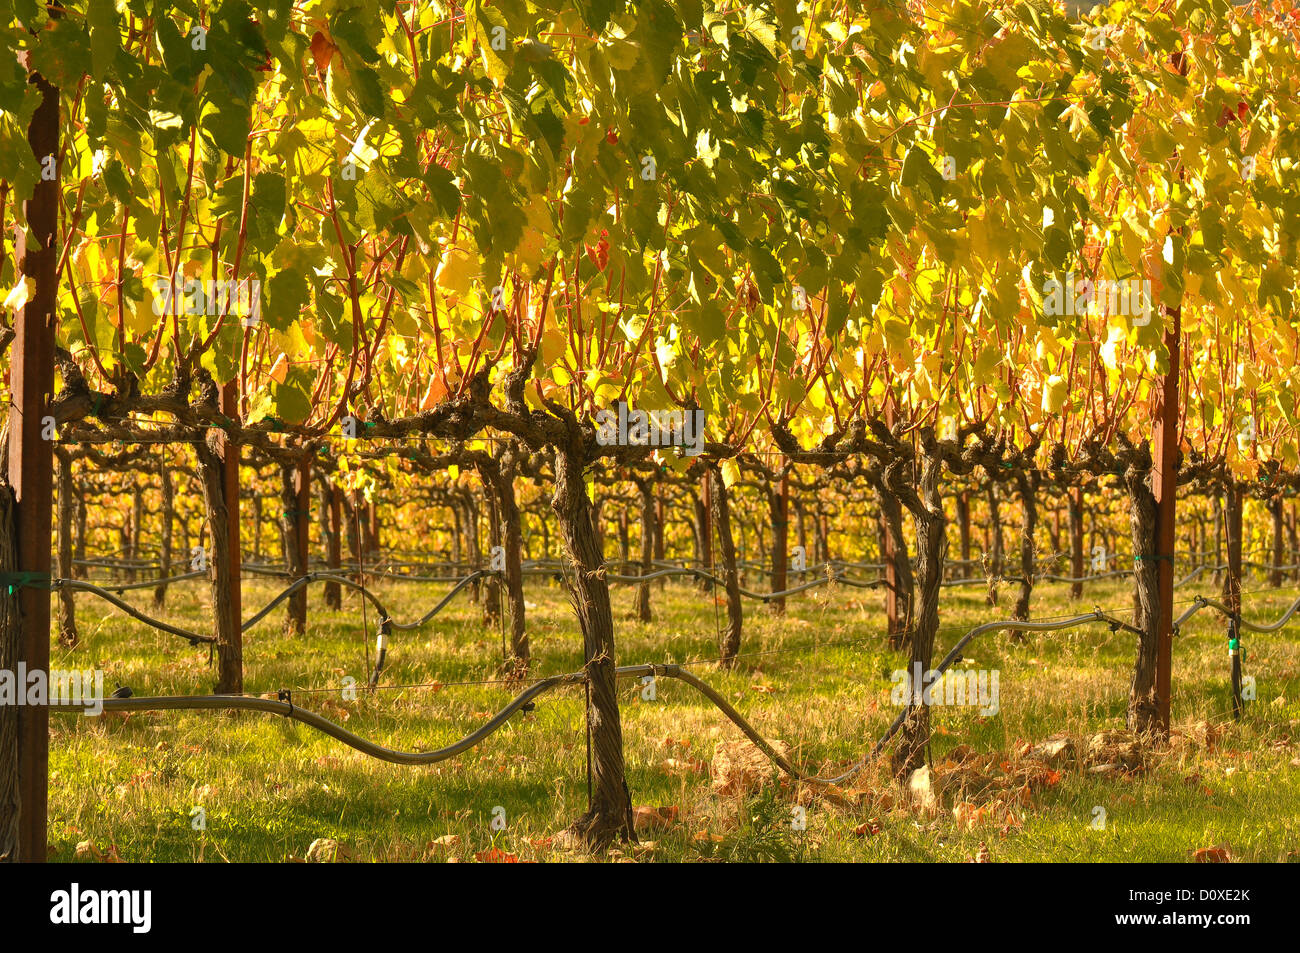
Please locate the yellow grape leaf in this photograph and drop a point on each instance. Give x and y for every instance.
(17, 296)
(455, 273)
(280, 368)
(1054, 394)
(730, 473)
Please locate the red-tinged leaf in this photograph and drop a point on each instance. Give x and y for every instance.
(1211, 855)
(1052, 777)
(599, 253)
(495, 855)
(322, 50)
(867, 829)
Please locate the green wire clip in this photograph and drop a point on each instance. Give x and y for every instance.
(17, 580)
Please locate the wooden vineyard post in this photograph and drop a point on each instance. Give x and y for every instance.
(232, 663)
(333, 593)
(31, 476)
(1164, 486)
(1232, 590)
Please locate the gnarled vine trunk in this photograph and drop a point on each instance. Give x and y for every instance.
(1028, 522)
(898, 568)
(1075, 500)
(333, 543)
(1143, 714)
(624, 542)
(501, 474)
(609, 813)
(995, 559)
(295, 495)
(704, 520)
(729, 640)
(931, 546)
(225, 586)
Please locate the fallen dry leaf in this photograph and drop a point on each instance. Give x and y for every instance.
(706, 836)
(968, 815)
(495, 855)
(653, 818)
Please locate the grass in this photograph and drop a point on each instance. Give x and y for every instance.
(817, 679)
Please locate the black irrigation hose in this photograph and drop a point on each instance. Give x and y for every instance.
(117, 563)
(465, 581)
(955, 653)
(79, 585)
(305, 580)
(1203, 603)
(152, 583)
(285, 706)
(749, 594)
(385, 622)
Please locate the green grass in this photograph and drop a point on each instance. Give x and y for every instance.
(270, 787)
